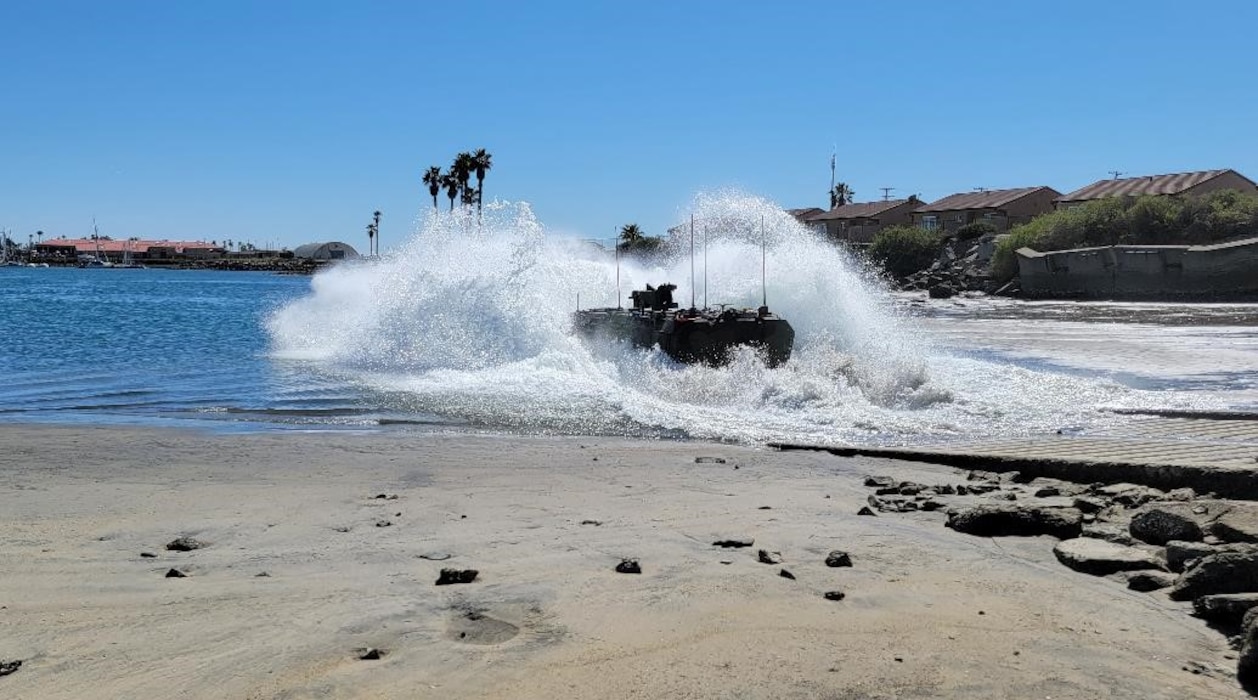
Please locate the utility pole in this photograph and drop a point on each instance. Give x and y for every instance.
(833, 152)
(886, 193)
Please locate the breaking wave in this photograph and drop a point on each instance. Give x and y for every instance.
(471, 321)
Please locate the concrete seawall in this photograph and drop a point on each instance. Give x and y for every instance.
(1208, 454)
(1224, 270)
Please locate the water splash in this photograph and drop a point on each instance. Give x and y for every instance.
(471, 320)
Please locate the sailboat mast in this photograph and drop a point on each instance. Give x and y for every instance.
(692, 261)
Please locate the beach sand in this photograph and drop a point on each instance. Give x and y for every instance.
(928, 612)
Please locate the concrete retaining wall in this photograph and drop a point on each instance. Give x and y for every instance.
(1222, 270)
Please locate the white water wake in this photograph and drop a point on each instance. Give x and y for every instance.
(472, 322)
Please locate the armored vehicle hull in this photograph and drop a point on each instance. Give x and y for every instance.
(705, 336)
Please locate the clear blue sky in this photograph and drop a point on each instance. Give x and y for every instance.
(292, 121)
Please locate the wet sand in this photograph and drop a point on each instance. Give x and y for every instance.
(928, 612)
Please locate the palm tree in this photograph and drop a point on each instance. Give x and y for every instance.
(450, 181)
(462, 169)
(375, 229)
(840, 195)
(631, 236)
(482, 162)
(432, 178)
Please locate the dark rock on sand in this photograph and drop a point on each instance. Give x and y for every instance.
(998, 520)
(879, 482)
(176, 573)
(1101, 558)
(866, 510)
(7, 667)
(148, 555)
(595, 523)
(451, 576)
(709, 460)
(371, 654)
(786, 574)
(838, 558)
(734, 542)
(764, 556)
(1159, 525)
(628, 566)
(1227, 608)
(1146, 581)
(184, 544)
(1223, 572)
(834, 595)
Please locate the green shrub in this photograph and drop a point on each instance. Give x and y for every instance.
(1214, 217)
(978, 229)
(903, 250)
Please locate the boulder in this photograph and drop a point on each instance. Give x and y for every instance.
(1005, 519)
(1130, 495)
(1238, 524)
(628, 566)
(1146, 581)
(1110, 532)
(1090, 504)
(1222, 572)
(1227, 608)
(1180, 554)
(1159, 525)
(1101, 558)
(1247, 662)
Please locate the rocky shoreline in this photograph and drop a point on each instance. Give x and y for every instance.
(1178, 543)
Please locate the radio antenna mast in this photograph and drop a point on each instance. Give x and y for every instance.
(764, 285)
(692, 261)
(705, 266)
(616, 246)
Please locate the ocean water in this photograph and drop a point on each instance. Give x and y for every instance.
(465, 327)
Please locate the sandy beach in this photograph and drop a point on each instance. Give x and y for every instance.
(305, 567)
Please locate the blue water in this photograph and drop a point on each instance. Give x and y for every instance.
(176, 347)
(466, 326)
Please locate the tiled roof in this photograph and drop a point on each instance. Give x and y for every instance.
(862, 210)
(988, 199)
(1173, 183)
(805, 214)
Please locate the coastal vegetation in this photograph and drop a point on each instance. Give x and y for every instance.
(841, 194)
(456, 181)
(1149, 220)
(633, 241)
(903, 250)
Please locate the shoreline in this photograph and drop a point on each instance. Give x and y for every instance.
(927, 611)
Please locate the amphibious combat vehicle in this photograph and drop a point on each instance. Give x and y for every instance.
(689, 335)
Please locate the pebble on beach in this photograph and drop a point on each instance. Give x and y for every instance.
(184, 544)
(628, 566)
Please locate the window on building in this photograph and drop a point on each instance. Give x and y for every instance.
(930, 222)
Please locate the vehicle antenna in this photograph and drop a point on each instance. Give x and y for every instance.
(764, 286)
(616, 245)
(692, 261)
(705, 267)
